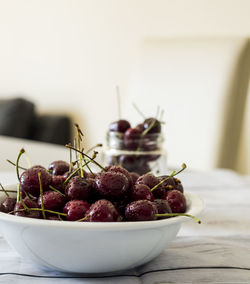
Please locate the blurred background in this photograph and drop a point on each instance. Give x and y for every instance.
(61, 60)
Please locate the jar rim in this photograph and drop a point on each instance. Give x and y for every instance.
(121, 134)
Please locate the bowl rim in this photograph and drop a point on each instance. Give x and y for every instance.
(194, 203)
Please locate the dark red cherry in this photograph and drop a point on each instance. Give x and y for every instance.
(171, 183)
(141, 210)
(102, 211)
(144, 167)
(176, 201)
(153, 124)
(148, 179)
(132, 138)
(151, 181)
(140, 192)
(58, 167)
(119, 169)
(75, 209)
(37, 166)
(178, 185)
(134, 176)
(130, 162)
(8, 204)
(119, 126)
(58, 182)
(27, 213)
(162, 207)
(78, 188)
(111, 185)
(149, 143)
(52, 200)
(30, 183)
(68, 173)
(91, 175)
(140, 127)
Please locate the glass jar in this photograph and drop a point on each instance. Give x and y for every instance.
(142, 154)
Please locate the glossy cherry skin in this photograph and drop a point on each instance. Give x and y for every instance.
(176, 201)
(140, 192)
(141, 210)
(119, 126)
(151, 181)
(162, 207)
(119, 169)
(171, 183)
(76, 209)
(144, 167)
(112, 185)
(52, 200)
(25, 213)
(58, 167)
(8, 204)
(102, 211)
(58, 183)
(30, 183)
(132, 138)
(78, 188)
(178, 185)
(140, 127)
(134, 176)
(148, 179)
(130, 162)
(153, 124)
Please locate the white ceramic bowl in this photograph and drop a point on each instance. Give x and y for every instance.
(92, 247)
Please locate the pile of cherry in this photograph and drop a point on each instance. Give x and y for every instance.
(111, 195)
(143, 137)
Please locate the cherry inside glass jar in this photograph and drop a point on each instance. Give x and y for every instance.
(138, 153)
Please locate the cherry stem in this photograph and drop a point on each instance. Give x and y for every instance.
(70, 160)
(12, 163)
(39, 209)
(74, 172)
(71, 175)
(138, 110)
(56, 190)
(83, 219)
(81, 157)
(178, 214)
(59, 217)
(149, 128)
(12, 191)
(18, 193)
(26, 194)
(17, 162)
(145, 132)
(24, 205)
(19, 197)
(92, 160)
(94, 147)
(76, 156)
(171, 175)
(4, 190)
(87, 163)
(41, 194)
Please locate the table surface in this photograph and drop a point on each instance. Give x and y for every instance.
(216, 251)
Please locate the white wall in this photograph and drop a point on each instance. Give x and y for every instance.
(68, 55)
